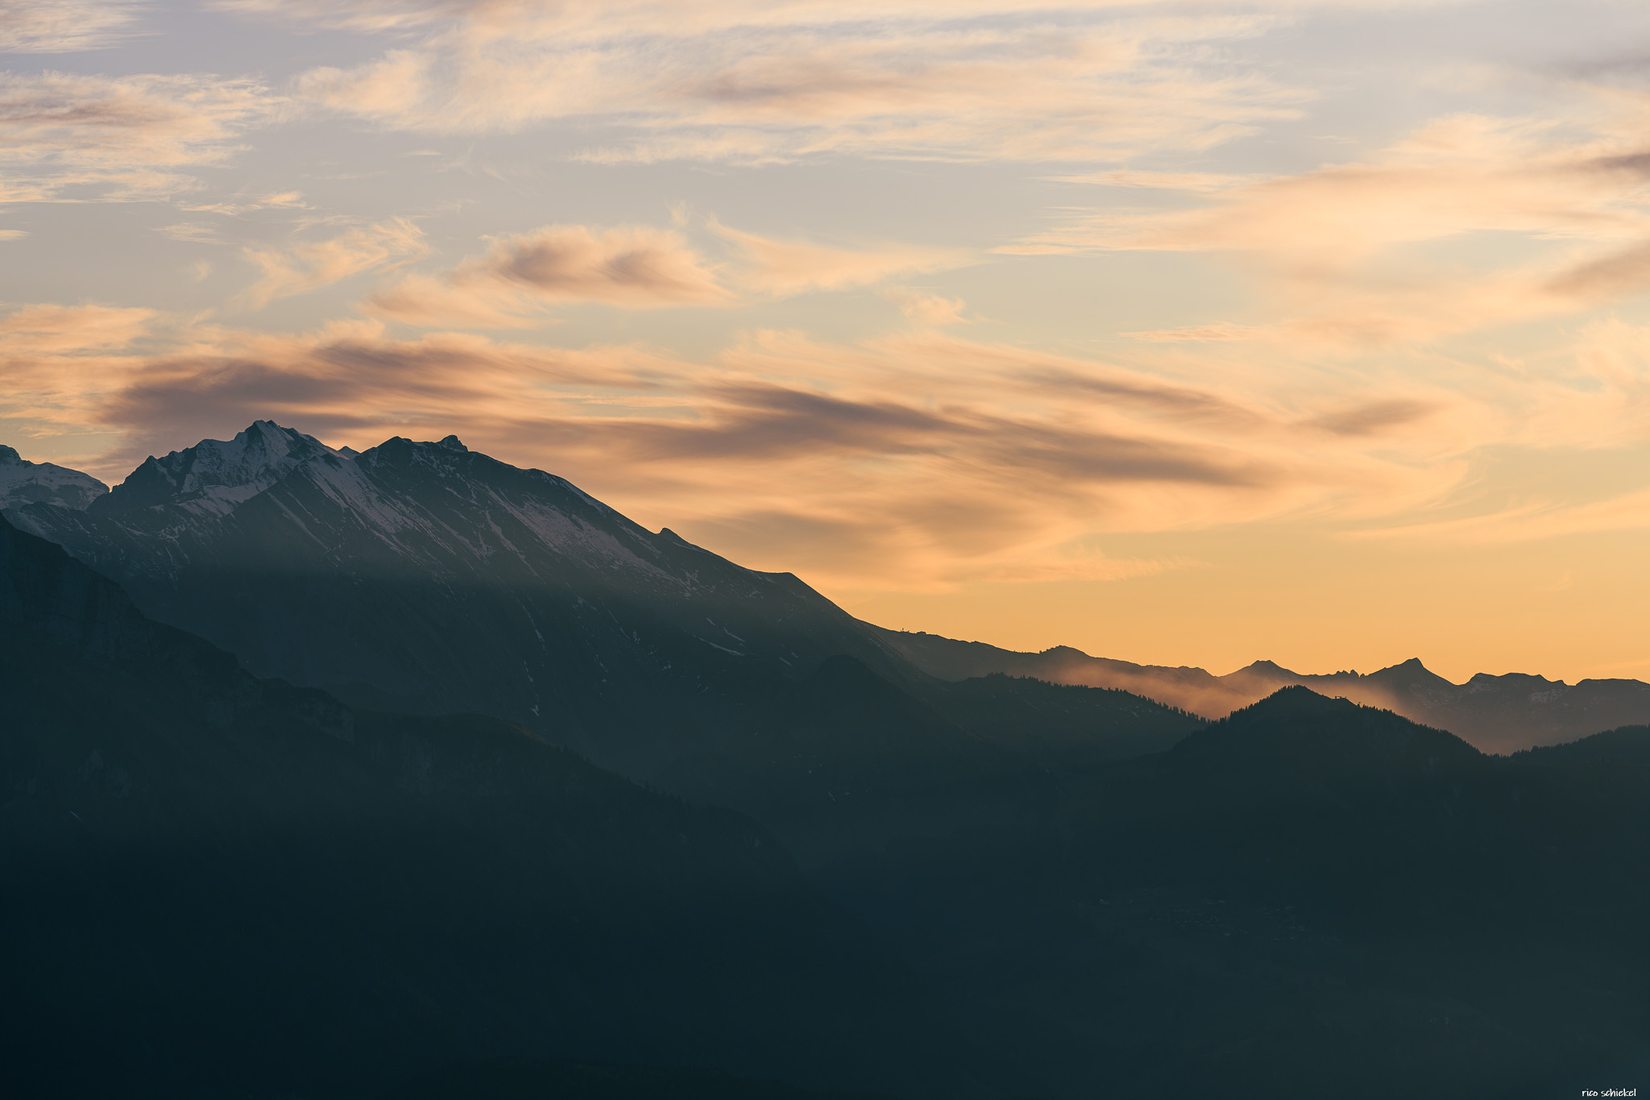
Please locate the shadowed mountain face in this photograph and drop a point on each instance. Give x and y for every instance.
(222, 886)
(1495, 713)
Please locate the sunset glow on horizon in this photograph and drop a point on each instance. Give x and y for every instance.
(1182, 332)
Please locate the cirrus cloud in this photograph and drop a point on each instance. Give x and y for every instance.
(64, 26)
(757, 84)
(66, 135)
(638, 267)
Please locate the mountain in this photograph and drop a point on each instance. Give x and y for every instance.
(218, 885)
(426, 576)
(24, 482)
(1496, 713)
(1303, 736)
(1312, 897)
(214, 475)
(1000, 886)
(436, 578)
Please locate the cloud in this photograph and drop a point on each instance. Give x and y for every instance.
(593, 20)
(65, 135)
(1010, 467)
(48, 329)
(63, 26)
(57, 361)
(277, 200)
(1191, 182)
(1406, 245)
(781, 267)
(1528, 522)
(387, 88)
(629, 266)
(924, 308)
(1452, 177)
(765, 83)
(639, 267)
(1619, 273)
(1373, 418)
(306, 266)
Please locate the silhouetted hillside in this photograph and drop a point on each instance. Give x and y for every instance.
(218, 886)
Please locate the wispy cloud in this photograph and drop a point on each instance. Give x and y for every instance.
(639, 267)
(782, 267)
(756, 83)
(65, 135)
(309, 265)
(628, 266)
(65, 26)
(1344, 248)
(1023, 462)
(1528, 522)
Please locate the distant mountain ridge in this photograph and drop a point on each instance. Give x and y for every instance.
(1495, 713)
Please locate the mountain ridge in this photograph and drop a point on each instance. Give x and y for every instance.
(25, 482)
(1497, 713)
(272, 502)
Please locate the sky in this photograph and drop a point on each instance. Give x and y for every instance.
(1183, 332)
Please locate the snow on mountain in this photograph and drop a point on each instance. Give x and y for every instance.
(214, 475)
(24, 482)
(449, 510)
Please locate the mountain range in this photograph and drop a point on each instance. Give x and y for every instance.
(363, 573)
(410, 773)
(1497, 713)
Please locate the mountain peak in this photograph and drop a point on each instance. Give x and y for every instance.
(1302, 699)
(1265, 668)
(453, 443)
(1064, 651)
(216, 474)
(24, 482)
(1411, 673)
(1298, 731)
